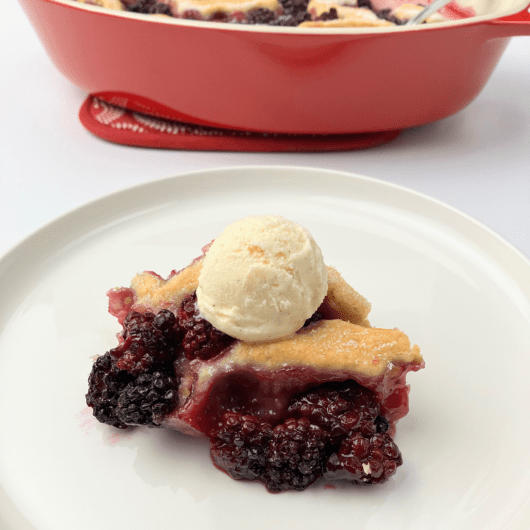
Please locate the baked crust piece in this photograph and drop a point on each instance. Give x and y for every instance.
(153, 292)
(332, 345)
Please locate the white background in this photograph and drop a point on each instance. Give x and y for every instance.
(477, 160)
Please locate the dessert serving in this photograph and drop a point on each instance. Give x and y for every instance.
(303, 13)
(265, 350)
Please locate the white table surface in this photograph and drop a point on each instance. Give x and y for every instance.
(477, 161)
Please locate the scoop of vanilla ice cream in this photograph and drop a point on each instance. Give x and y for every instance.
(261, 279)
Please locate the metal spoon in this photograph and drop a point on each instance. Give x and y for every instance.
(427, 12)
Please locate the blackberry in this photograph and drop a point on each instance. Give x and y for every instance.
(260, 15)
(201, 340)
(165, 321)
(295, 456)
(295, 12)
(329, 15)
(365, 3)
(134, 383)
(147, 399)
(105, 383)
(149, 340)
(339, 409)
(136, 323)
(149, 7)
(382, 424)
(239, 446)
(363, 459)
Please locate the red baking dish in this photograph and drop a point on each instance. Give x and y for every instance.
(271, 79)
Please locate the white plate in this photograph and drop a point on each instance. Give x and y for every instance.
(456, 288)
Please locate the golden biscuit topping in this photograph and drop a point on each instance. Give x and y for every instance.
(332, 345)
(157, 293)
(346, 301)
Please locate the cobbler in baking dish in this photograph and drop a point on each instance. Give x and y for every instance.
(263, 349)
(305, 13)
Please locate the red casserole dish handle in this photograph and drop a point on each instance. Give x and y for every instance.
(513, 25)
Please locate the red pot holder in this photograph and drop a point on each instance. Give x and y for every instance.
(127, 127)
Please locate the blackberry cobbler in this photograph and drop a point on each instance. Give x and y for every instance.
(304, 13)
(263, 349)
